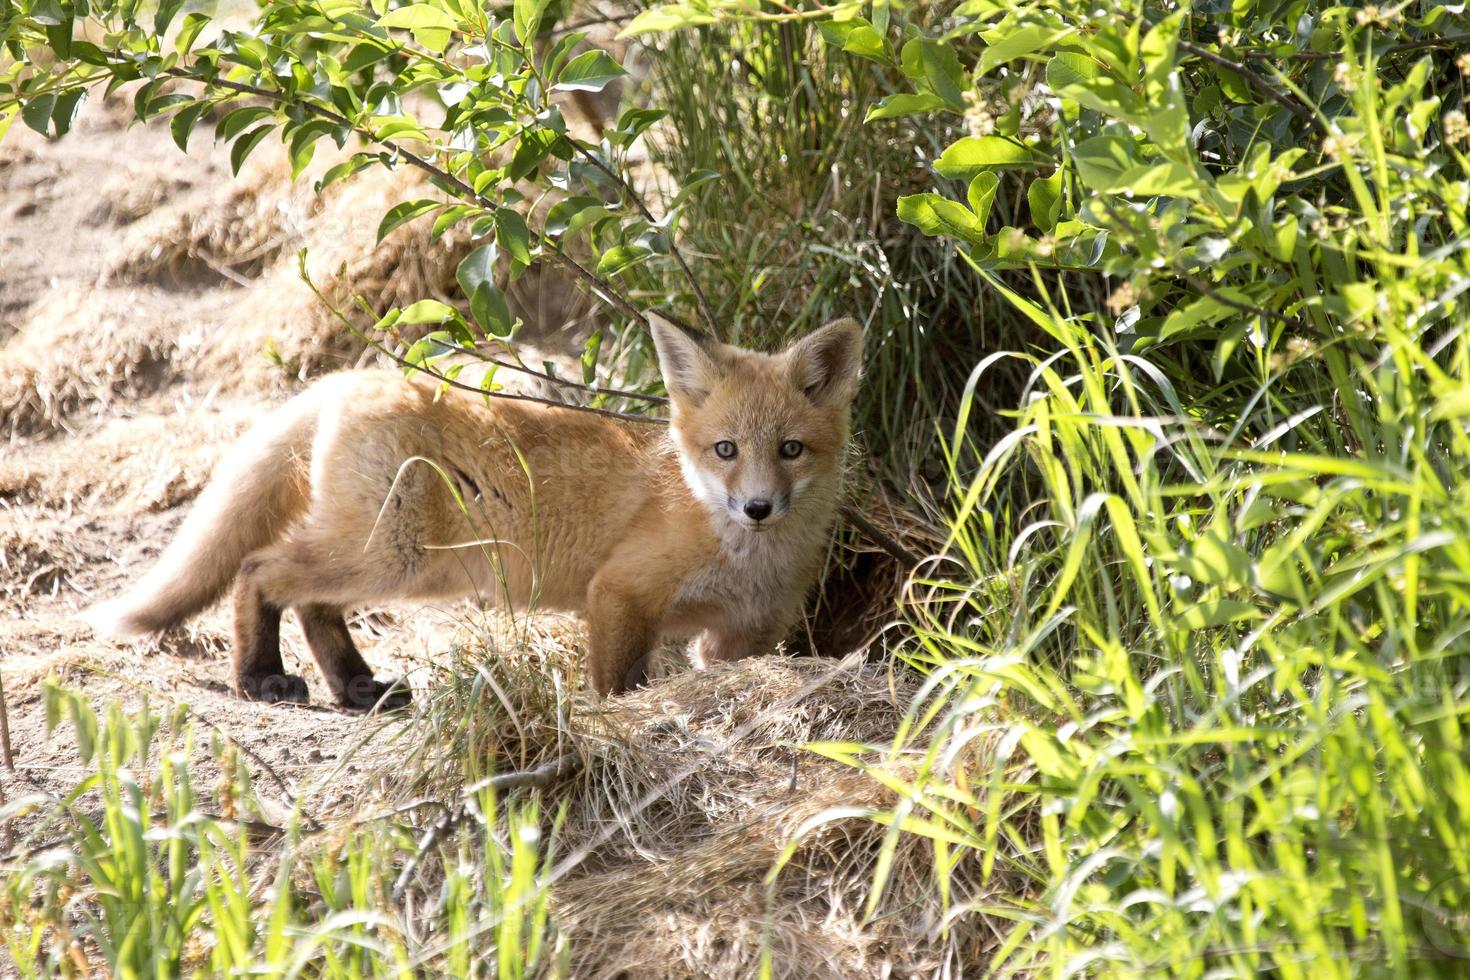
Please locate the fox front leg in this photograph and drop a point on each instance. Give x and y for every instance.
(717, 646)
(620, 634)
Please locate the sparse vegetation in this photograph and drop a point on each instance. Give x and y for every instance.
(1167, 380)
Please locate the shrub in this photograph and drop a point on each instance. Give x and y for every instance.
(1194, 644)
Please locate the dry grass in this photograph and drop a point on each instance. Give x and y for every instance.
(244, 227)
(689, 793)
(697, 788)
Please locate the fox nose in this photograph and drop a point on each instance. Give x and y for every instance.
(757, 510)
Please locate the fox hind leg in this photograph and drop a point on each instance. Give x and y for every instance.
(259, 673)
(348, 676)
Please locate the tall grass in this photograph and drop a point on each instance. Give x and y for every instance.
(800, 228)
(137, 872)
(1196, 647)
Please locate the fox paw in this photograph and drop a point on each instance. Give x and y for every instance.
(272, 688)
(365, 693)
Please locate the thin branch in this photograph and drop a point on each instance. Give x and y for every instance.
(553, 379)
(591, 22)
(711, 324)
(1212, 293)
(1448, 41)
(423, 368)
(1256, 82)
(599, 286)
(881, 538)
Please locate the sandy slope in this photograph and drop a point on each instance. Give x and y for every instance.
(128, 363)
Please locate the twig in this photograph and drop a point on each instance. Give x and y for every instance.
(1256, 82)
(881, 538)
(539, 778)
(270, 770)
(711, 324)
(423, 368)
(9, 757)
(553, 379)
(1448, 41)
(599, 286)
(1219, 297)
(591, 22)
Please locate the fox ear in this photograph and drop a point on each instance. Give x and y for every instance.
(688, 369)
(825, 364)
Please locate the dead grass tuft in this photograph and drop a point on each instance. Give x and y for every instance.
(246, 224)
(691, 790)
(77, 349)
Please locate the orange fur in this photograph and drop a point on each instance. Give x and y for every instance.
(368, 487)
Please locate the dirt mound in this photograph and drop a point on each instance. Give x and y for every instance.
(699, 790)
(137, 346)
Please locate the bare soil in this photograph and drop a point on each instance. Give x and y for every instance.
(149, 310)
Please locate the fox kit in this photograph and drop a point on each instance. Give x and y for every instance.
(367, 487)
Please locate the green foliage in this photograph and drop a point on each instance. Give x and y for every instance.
(155, 879)
(442, 85)
(1198, 687)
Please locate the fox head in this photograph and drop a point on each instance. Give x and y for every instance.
(760, 435)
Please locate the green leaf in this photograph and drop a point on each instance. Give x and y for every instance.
(303, 144)
(491, 311)
(451, 217)
(181, 126)
(345, 169)
(621, 257)
(526, 16)
(1201, 312)
(1090, 83)
(476, 277)
(970, 155)
(431, 26)
(1006, 45)
(1206, 615)
(936, 215)
(1044, 197)
(942, 70)
(981, 195)
(1102, 160)
(904, 104)
(512, 235)
(590, 71)
(635, 121)
(427, 311)
(672, 17)
(866, 42)
(589, 357)
(189, 33)
(68, 105)
(245, 144)
(530, 151)
(37, 112)
(165, 14)
(572, 215)
(48, 13)
(238, 120)
(402, 213)
(1214, 560)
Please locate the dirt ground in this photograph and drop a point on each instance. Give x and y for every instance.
(144, 322)
(150, 309)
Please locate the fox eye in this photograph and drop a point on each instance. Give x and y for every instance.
(790, 449)
(725, 449)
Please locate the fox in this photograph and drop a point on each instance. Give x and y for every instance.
(370, 486)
